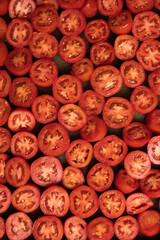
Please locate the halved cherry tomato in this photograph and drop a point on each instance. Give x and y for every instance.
(72, 177)
(17, 171)
(4, 7)
(5, 198)
(21, 8)
(5, 139)
(153, 149)
(3, 53)
(153, 81)
(89, 8)
(109, 8)
(3, 29)
(5, 110)
(137, 6)
(157, 4)
(2, 227)
(53, 2)
(71, 4)
(153, 121)
(5, 83)
(3, 160)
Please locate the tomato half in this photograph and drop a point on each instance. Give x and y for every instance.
(3, 29)
(109, 8)
(72, 177)
(153, 81)
(42, 2)
(5, 198)
(5, 83)
(71, 4)
(21, 8)
(3, 53)
(137, 6)
(89, 8)
(2, 227)
(4, 7)
(157, 4)
(5, 139)
(3, 160)
(153, 149)
(153, 121)
(5, 110)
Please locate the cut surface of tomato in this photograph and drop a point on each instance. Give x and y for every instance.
(153, 149)
(5, 198)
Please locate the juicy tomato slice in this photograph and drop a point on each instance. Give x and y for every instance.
(126, 228)
(45, 18)
(2, 227)
(109, 8)
(19, 32)
(125, 183)
(125, 46)
(3, 29)
(5, 198)
(21, 8)
(5, 83)
(3, 53)
(55, 201)
(153, 149)
(71, 22)
(53, 139)
(48, 226)
(102, 53)
(71, 4)
(137, 203)
(121, 23)
(79, 153)
(153, 81)
(24, 144)
(5, 139)
(72, 48)
(45, 108)
(149, 222)
(23, 91)
(150, 185)
(4, 7)
(100, 177)
(111, 150)
(83, 201)
(72, 117)
(139, 6)
(136, 134)
(117, 112)
(94, 130)
(67, 89)
(3, 160)
(153, 121)
(148, 54)
(97, 30)
(100, 228)
(106, 80)
(112, 203)
(143, 99)
(72, 177)
(42, 2)
(43, 45)
(5, 110)
(146, 25)
(46, 171)
(21, 119)
(133, 73)
(19, 61)
(18, 226)
(89, 8)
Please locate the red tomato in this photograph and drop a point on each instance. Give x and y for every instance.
(133, 73)
(125, 46)
(3, 160)
(83, 69)
(45, 108)
(153, 121)
(100, 228)
(111, 150)
(43, 45)
(48, 226)
(42, 2)
(18, 226)
(126, 228)
(149, 222)
(5, 198)
(117, 112)
(136, 134)
(100, 177)
(3, 29)
(46, 171)
(19, 32)
(19, 61)
(72, 117)
(121, 23)
(137, 203)
(102, 53)
(157, 4)
(112, 203)
(54, 201)
(5, 110)
(83, 201)
(72, 177)
(2, 227)
(23, 91)
(24, 144)
(67, 89)
(21, 8)
(153, 81)
(94, 130)
(3, 53)
(4, 7)
(153, 150)
(71, 4)
(106, 80)
(137, 6)
(71, 22)
(43, 72)
(97, 30)
(5, 83)
(45, 18)
(5, 139)
(137, 164)
(143, 99)
(150, 185)
(146, 25)
(109, 7)
(125, 183)
(148, 54)
(72, 48)
(75, 228)
(79, 153)
(89, 8)
(17, 171)
(53, 139)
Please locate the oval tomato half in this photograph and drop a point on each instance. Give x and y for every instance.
(5, 198)
(2, 227)
(21, 8)
(3, 160)
(109, 8)
(5, 110)
(153, 149)
(153, 121)
(3, 53)
(72, 177)
(153, 81)
(5, 83)
(137, 6)
(5, 139)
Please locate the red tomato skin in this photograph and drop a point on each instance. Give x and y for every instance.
(109, 8)
(153, 78)
(5, 110)
(152, 121)
(4, 7)
(2, 227)
(3, 160)
(5, 80)
(42, 2)
(139, 6)
(157, 4)
(72, 177)
(3, 53)
(3, 29)
(5, 139)
(89, 9)
(71, 4)
(5, 201)
(152, 149)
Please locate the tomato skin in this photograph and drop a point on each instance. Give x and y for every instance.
(152, 121)
(89, 8)
(72, 177)
(153, 78)
(3, 160)
(4, 7)
(5, 82)
(3, 53)
(152, 149)
(109, 8)
(2, 227)
(139, 6)
(3, 29)
(157, 4)
(5, 110)
(71, 4)
(5, 140)
(42, 2)
(5, 195)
